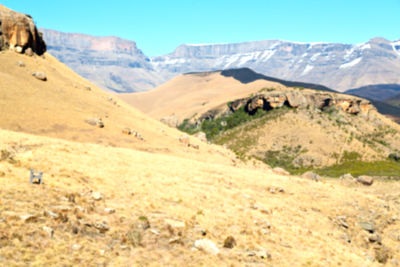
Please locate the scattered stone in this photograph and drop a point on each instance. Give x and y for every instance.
(62, 208)
(102, 227)
(21, 64)
(48, 230)
(88, 88)
(342, 221)
(263, 254)
(280, 171)
(2, 174)
(109, 210)
(365, 180)
(375, 238)
(382, 254)
(207, 246)
(272, 190)
(127, 131)
(97, 196)
(194, 146)
(229, 242)
(40, 76)
(102, 252)
(175, 224)
(184, 140)
(95, 122)
(76, 247)
(110, 98)
(154, 231)
(28, 218)
(29, 52)
(18, 49)
(175, 240)
(51, 214)
(202, 136)
(143, 223)
(367, 226)
(347, 176)
(311, 176)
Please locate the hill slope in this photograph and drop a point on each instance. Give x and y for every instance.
(291, 127)
(379, 92)
(109, 199)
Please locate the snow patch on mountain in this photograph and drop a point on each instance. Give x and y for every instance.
(396, 47)
(351, 63)
(307, 70)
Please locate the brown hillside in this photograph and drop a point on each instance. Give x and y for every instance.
(60, 106)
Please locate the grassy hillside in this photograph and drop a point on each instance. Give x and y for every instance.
(274, 220)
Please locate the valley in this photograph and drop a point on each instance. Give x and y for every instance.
(214, 167)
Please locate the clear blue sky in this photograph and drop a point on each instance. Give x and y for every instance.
(159, 26)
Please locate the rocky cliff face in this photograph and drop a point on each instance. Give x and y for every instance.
(122, 67)
(348, 66)
(112, 63)
(18, 32)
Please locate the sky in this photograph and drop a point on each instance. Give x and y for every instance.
(159, 26)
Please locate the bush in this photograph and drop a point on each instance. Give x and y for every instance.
(394, 156)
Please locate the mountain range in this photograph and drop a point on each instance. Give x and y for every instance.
(118, 65)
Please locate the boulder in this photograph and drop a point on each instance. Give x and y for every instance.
(40, 76)
(347, 176)
(97, 196)
(311, 175)
(18, 31)
(229, 242)
(21, 63)
(296, 99)
(29, 52)
(127, 131)
(365, 180)
(184, 140)
(276, 101)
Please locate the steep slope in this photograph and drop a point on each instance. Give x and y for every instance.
(349, 66)
(112, 63)
(293, 127)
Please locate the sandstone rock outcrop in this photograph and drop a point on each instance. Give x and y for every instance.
(299, 99)
(18, 32)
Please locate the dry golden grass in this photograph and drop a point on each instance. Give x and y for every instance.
(218, 199)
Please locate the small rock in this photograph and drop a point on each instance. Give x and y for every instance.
(97, 196)
(280, 171)
(48, 230)
(109, 210)
(102, 252)
(51, 214)
(263, 254)
(102, 227)
(202, 136)
(88, 88)
(207, 246)
(21, 64)
(29, 52)
(175, 240)
(342, 221)
(367, 226)
(311, 175)
(127, 131)
(175, 224)
(229, 242)
(375, 238)
(28, 218)
(347, 176)
(365, 180)
(143, 223)
(18, 49)
(194, 146)
(154, 231)
(40, 76)
(184, 140)
(95, 122)
(394, 263)
(76, 247)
